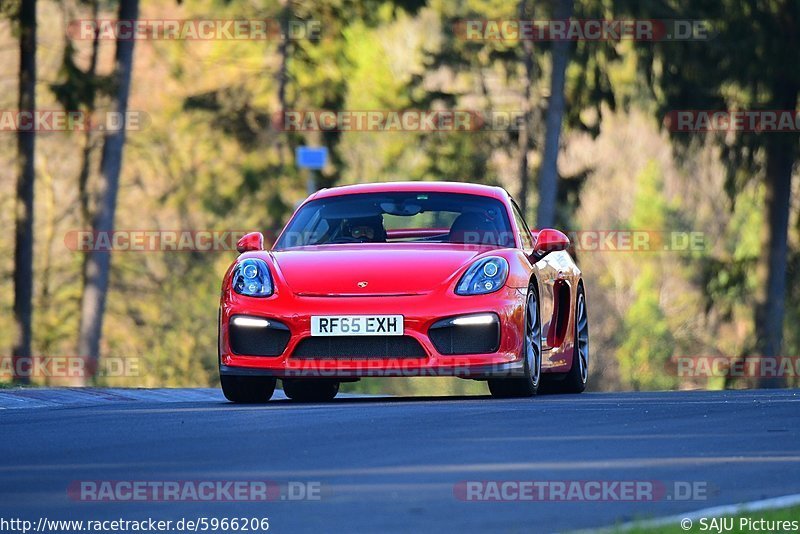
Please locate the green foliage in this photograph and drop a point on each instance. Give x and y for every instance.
(779, 515)
(792, 341)
(729, 276)
(592, 64)
(9, 9)
(727, 71)
(647, 342)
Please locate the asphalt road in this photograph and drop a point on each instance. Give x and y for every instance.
(395, 464)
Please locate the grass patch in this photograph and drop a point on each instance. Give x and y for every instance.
(744, 522)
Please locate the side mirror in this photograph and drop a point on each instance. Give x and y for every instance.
(250, 242)
(549, 240)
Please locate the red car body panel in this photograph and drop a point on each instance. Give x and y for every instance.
(416, 280)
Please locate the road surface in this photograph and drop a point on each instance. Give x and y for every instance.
(395, 464)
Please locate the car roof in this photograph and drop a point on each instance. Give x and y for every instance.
(422, 187)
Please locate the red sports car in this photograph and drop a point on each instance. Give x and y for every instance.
(403, 279)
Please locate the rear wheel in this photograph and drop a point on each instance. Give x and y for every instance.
(247, 389)
(311, 390)
(528, 384)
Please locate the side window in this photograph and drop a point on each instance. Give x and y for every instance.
(524, 231)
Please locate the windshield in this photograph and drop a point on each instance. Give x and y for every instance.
(400, 217)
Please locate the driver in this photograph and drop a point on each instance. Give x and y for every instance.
(366, 229)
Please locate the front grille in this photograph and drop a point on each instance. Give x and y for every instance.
(469, 339)
(250, 341)
(359, 347)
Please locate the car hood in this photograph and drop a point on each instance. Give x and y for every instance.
(387, 269)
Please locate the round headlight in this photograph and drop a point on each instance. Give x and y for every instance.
(251, 278)
(250, 271)
(486, 275)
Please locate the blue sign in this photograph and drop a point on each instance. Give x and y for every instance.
(311, 157)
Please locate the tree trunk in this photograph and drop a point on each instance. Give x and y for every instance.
(548, 172)
(283, 52)
(26, 149)
(283, 71)
(97, 263)
(523, 134)
(780, 156)
(86, 156)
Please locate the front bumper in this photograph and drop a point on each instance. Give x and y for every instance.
(420, 312)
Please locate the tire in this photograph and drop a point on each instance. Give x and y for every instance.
(575, 379)
(528, 384)
(311, 390)
(247, 389)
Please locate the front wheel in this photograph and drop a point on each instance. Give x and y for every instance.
(247, 389)
(311, 390)
(528, 384)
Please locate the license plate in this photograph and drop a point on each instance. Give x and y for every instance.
(357, 325)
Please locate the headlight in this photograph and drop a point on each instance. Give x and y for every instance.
(484, 276)
(251, 278)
